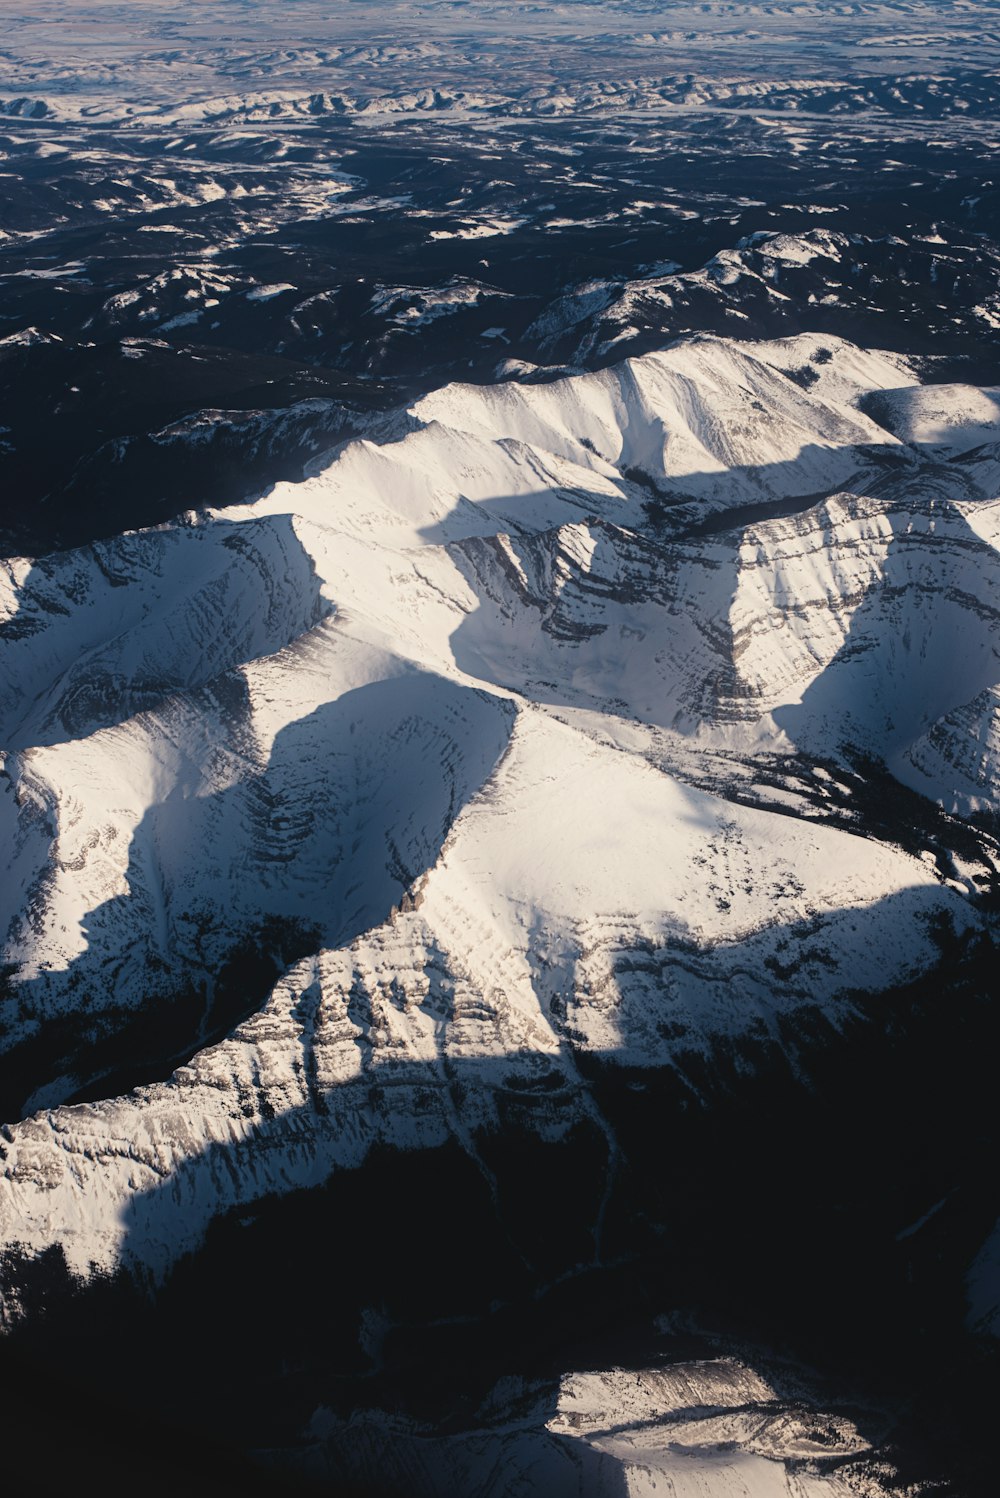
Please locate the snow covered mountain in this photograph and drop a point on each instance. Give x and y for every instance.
(539, 737)
(499, 748)
(424, 727)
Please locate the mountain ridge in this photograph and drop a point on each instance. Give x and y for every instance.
(496, 563)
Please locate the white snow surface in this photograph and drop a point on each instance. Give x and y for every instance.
(715, 1428)
(462, 58)
(954, 418)
(432, 705)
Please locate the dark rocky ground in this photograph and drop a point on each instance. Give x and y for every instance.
(765, 1205)
(185, 319)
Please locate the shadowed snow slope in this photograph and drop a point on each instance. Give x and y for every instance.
(417, 734)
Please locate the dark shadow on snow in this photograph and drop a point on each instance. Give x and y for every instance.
(225, 890)
(764, 1189)
(116, 629)
(762, 1196)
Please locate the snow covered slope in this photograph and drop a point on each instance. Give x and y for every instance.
(415, 738)
(711, 1427)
